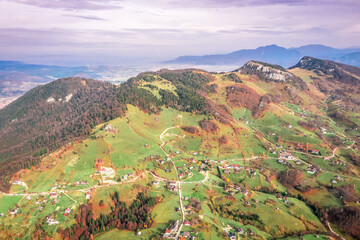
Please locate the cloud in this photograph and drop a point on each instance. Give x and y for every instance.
(72, 4)
(85, 17)
(247, 3)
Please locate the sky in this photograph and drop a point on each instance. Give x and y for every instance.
(121, 32)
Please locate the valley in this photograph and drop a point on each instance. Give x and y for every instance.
(258, 153)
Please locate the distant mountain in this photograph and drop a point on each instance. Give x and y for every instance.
(350, 59)
(273, 54)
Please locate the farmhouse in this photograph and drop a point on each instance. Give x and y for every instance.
(67, 211)
(314, 151)
(17, 182)
(53, 195)
(88, 195)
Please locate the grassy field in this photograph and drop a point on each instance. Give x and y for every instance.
(131, 146)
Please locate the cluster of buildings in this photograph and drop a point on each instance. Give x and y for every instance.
(17, 182)
(336, 179)
(239, 231)
(312, 169)
(127, 176)
(236, 168)
(171, 231)
(57, 187)
(338, 162)
(51, 221)
(173, 187)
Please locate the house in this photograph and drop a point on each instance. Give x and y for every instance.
(67, 211)
(88, 195)
(187, 223)
(53, 222)
(173, 188)
(314, 151)
(138, 233)
(186, 234)
(14, 211)
(247, 204)
(53, 195)
(226, 171)
(17, 182)
(232, 235)
(172, 229)
(240, 231)
(156, 183)
(237, 188)
(28, 197)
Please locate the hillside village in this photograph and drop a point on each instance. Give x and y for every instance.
(280, 168)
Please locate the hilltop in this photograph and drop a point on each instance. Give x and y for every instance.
(264, 151)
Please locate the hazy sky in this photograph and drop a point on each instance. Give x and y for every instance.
(99, 32)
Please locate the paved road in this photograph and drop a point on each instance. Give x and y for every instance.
(177, 177)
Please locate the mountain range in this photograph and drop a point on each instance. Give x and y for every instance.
(274, 54)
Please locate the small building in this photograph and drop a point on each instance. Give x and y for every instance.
(14, 211)
(53, 222)
(240, 231)
(314, 151)
(67, 211)
(187, 223)
(88, 195)
(186, 234)
(53, 195)
(232, 235)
